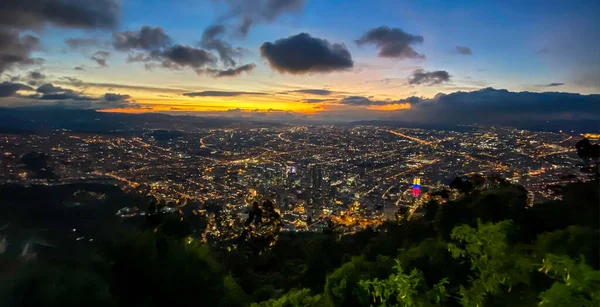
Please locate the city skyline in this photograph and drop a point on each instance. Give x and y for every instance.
(306, 60)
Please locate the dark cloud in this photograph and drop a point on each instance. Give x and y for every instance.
(176, 57)
(313, 92)
(8, 89)
(72, 81)
(16, 49)
(301, 54)
(365, 101)
(79, 68)
(232, 72)
(250, 12)
(420, 76)
(491, 106)
(14, 78)
(112, 97)
(48, 88)
(22, 15)
(463, 50)
(77, 43)
(244, 27)
(147, 38)
(36, 75)
(551, 84)
(179, 56)
(220, 94)
(34, 14)
(113, 86)
(100, 57)
(107, 101)
(49, 91)
(316, 100)
(211, 40)
(413, 99)
(392, 42)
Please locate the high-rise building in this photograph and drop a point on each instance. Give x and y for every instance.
(530, 198)
(416, 189)
(317, 178)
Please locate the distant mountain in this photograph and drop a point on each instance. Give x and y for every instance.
(39, 119)
(578, 126)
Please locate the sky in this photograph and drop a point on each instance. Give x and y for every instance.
(338, 60)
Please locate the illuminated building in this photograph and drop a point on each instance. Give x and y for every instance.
(530, 198)
(416, 189)
(317, 178)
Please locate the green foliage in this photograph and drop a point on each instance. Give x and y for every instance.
(342, 287)
(576, 284)
(495, 265)
(575, 241)
(294, 298)
(401, 289)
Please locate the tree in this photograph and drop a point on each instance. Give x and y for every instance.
(401, 289)
(496, 267)
(576, 284)
(343, 288)
(294, 298)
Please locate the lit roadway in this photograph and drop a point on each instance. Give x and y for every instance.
(437, 146)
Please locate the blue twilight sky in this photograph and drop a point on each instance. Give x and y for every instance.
(529, 45)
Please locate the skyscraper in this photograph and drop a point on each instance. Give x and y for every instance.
(530, 198)
(317, 178)
(416, 189)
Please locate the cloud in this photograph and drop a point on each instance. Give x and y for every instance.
(79, 68)
(364, 101)
(112, 86)
(232, 72)
(100, 57)
(551, 84)
(244, 27)
(301, 54)
(36, 75)
(107, 101)
(463, 50)
(77, 43)
(313, 92)
(491, 106)
(17, 16)
(251, 12)
(48, 91)
(16, 49)
(34, 14)
(420, 76)
(51, 95)
(220, 94)
(392, 42)
(147, 38)
(9, 89)
(211, 41)
(316, 100)
(176, 57)
(413, 99)
(72, 81)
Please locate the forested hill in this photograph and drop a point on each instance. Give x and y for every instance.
(485, 248)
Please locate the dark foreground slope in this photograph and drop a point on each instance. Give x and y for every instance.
(485, 248)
